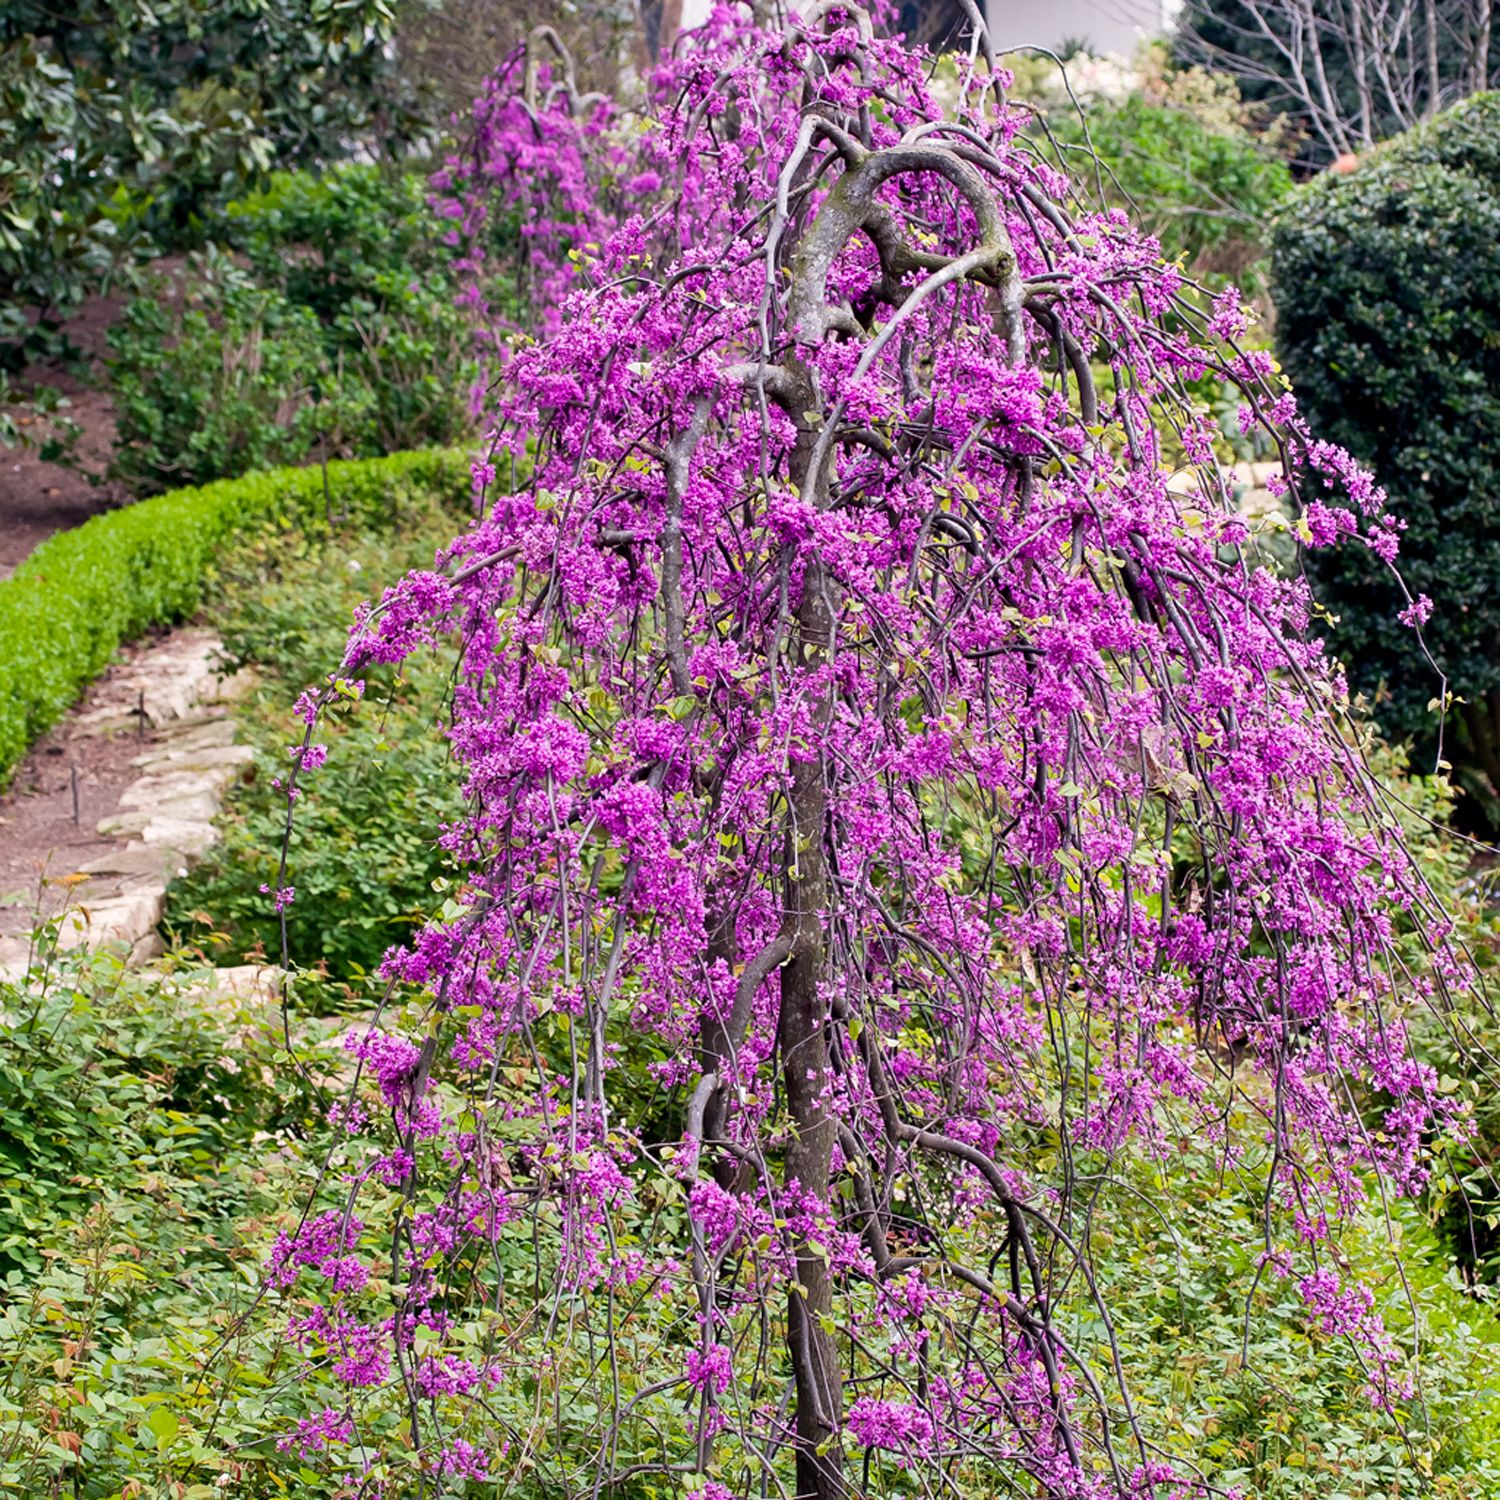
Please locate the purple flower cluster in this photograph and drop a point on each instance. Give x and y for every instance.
(889, 1424)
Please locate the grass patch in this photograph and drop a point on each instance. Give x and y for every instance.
(364, 852)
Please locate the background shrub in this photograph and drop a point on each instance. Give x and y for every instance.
(327, 239)
(1188, 160)
(1388, 293)
(229, 381)
(331, 331)
(1266, 1405)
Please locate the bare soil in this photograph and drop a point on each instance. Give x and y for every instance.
(37, 498)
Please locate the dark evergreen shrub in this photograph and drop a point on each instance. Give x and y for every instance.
(1388, 296)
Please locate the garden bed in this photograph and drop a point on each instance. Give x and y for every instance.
(363, 858)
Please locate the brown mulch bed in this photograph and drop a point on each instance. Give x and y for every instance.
(37, 498)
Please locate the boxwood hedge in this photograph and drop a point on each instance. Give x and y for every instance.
(1388, 321)
(67, 608)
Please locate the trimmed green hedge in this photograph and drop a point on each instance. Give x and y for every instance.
(67, 608)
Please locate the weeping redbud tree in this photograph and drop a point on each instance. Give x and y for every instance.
(895, 794)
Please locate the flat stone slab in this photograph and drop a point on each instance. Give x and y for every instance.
(189, 837)
(161, 686)
(195, 809)
(106, 721)
(177, 786)
(171, 758)
(121, 922)
(232, 688)
(201, 732)
(15, 953)
(237, 988)
(250, 981)
(172, 697)
(147, 861)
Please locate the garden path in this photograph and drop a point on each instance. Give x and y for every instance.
(119, 798)
(38, 498)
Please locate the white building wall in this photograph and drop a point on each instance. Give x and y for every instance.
(1107, 25)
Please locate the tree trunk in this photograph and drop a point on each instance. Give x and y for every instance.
(1361, 59)
(1480, 78)
(1434, 74)
(1480, 752)
(804, 1059)
(658, 23)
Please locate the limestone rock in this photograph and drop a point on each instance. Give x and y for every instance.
(175, 786)
(121, 922)
(192, 837)
(145, 949)
(15, 955)
(250, 981)
(232, 688)
(172, 758)
(147, 861)
(202, 732)
(198, 808)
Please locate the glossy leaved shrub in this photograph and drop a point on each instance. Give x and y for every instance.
(1388, 321)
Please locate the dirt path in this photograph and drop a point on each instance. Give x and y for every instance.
(37, 498)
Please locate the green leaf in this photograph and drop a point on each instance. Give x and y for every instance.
(164, 1422)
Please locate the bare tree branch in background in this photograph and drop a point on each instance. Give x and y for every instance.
(1351, 72)
(449, 46)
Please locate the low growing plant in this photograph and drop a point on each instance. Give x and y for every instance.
(154, 1129)
(364, 856)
